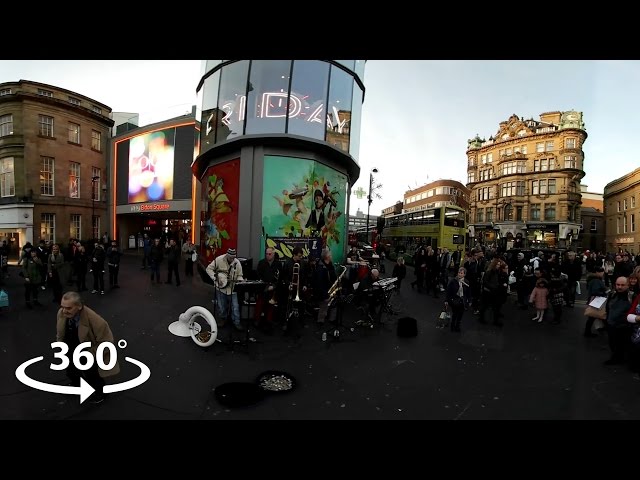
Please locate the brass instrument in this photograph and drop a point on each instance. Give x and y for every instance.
(336, 287)
(295, 280)
(273, 300)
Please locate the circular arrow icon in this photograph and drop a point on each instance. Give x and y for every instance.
(84, 390)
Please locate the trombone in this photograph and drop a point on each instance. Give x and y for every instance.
(295, 283)
(295, 280)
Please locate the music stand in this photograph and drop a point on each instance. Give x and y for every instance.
(338, 326)
(231, 339)
(250, 284)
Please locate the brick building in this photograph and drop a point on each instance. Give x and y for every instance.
(436, 194)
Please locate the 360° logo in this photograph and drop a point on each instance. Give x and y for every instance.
(84, 390)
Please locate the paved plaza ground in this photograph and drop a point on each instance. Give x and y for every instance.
(523, 370)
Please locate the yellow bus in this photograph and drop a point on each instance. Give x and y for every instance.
(441, 227)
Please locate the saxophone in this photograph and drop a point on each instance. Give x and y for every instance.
(337, 286)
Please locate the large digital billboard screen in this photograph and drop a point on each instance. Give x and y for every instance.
(151, 160)
(303, 203)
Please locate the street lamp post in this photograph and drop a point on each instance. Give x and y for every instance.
(93, 205)
(370, 196)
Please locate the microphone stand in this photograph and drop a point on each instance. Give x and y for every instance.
(232, 282)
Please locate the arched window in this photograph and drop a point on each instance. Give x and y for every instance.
(508, 213)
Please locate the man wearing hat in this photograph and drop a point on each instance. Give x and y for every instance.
(523, 272)
(316, 219)
(226, 271)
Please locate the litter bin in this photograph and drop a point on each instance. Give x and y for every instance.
(132, 241)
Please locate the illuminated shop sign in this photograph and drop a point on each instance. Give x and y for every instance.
(274, 105)
(150, 207)
(624, 240)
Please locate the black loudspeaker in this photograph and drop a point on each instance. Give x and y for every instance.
(407, 327)
(247, 268)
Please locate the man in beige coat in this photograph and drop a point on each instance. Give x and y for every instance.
(77, 323)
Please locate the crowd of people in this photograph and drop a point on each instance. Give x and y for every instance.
(288, 291)
(547, 282)
(50, 266)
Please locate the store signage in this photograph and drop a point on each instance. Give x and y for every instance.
(150, 207)
(624, 240)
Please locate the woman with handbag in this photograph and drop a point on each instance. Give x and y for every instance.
(458, 298)
(595, 288)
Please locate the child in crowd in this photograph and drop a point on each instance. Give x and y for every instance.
(538, 298)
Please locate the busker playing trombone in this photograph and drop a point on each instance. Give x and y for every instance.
(294, 278)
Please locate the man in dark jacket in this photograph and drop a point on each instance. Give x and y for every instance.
(572, 268)
(475, 268)
(173, 260)
(113, 259)
(618, 329)
(621, 268)
(97, 268)
(325, 278)
(156, 254)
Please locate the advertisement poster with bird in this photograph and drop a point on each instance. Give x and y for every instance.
(220, 219)
(303, 204)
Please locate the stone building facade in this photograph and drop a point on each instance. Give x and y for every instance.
(524, 182)
(621, 211)
(53, 154)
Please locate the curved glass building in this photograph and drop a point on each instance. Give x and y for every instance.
(277, 154)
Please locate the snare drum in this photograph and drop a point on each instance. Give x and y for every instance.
(363, 271)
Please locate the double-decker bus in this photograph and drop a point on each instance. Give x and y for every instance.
(352, 238)
(441, 227)
(364, 237)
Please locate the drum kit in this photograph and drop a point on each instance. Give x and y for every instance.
(363, 270)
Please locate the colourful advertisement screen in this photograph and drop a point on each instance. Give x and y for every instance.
(151, 159)
(221, 193)
(303, 203)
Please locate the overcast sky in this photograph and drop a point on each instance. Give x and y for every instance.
(417, 115)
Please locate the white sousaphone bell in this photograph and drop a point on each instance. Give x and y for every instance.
(187, 326)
